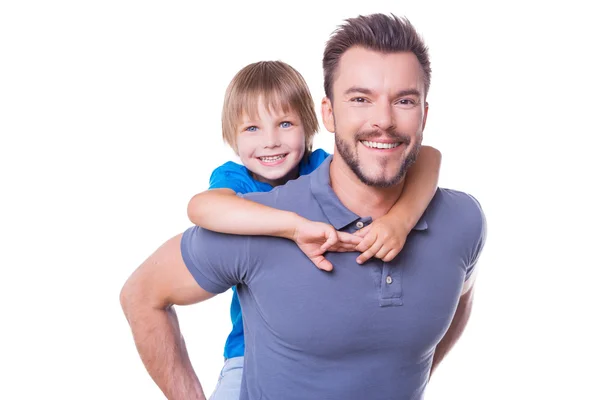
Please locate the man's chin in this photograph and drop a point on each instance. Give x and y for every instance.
(379, 181)
(382, 177)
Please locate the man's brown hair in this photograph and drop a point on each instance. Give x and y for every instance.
(379, 32)
(279, 86)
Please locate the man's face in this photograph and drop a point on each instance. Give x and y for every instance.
(378, 113)
(272, 144)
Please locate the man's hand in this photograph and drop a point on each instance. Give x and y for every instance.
(382, 239)
(316, 238)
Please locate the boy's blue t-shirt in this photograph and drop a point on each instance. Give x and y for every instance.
(239, 179)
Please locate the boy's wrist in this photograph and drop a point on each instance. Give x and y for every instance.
(290, 223)
(401, 221)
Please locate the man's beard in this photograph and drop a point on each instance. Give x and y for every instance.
(351, 159)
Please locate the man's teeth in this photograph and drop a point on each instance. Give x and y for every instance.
(377, 145)
(271, 159)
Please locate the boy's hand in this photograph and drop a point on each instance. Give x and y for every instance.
(384, 238)
(315, 238)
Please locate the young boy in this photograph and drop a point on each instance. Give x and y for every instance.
(269, 121)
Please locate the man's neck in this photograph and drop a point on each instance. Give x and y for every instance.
(361, 199)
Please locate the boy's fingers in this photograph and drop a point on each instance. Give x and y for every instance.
(348, 246)
(366, 255)
(322, 263)
(383, 251)
(341, 250)
(370, 252)
(349, 238)
(366, 243)
(391, 255)
(342, 247)
(362, 232)
(331, 240)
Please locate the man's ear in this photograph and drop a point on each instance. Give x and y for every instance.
(425, 115)
(327, 114)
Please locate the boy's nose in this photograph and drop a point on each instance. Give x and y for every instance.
(272, 139)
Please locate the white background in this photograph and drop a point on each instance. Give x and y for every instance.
(110, 122)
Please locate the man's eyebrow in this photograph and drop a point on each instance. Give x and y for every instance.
(402, 93)
(358, 89)
(408, 92)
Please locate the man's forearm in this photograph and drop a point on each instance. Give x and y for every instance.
(457, 327)
(163, 352)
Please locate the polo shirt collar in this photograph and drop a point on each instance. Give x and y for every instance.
(337, 214)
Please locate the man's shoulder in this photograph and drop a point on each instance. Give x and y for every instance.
(460, 220)
(458, 200)
(288, 196)
(457, 208)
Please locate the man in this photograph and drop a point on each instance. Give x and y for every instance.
(371, 331)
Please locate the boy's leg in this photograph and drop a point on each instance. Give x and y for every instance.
(230, 380)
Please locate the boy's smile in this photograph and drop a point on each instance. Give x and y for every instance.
(272, 160)
(271, 144)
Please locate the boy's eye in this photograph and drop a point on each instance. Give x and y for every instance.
(285, 124)
(358, 100)
(251, 128)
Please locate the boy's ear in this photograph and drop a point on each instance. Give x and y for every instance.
(327, 114)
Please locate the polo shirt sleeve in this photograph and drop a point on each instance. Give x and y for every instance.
(231, 176)
(479, 235)
(217, 261)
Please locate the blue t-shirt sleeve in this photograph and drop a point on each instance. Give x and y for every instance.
(217, 261)
(231, 176)
(315, 159)
(318, 156)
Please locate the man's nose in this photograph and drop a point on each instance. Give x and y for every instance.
(383, 117)
(272, 138)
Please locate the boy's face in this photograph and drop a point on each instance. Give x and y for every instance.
(271, 145)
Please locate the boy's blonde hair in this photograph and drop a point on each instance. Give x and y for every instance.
(280, 87)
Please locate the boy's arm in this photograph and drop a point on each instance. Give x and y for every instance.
(419, 188)
(221, 210)
(385, 237)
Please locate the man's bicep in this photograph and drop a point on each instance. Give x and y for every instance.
(163, 278)
(217, 261)
(478, 235)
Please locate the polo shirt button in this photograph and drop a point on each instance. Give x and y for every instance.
(388, 280)
(359, 224)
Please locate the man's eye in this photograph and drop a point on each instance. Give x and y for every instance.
(285, 124)
(358, 99)
(407, 102)
(251, 129)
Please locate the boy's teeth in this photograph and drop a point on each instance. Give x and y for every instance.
(377, 145)
(271, 159)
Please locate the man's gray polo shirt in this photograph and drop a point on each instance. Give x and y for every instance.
(360, 332)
